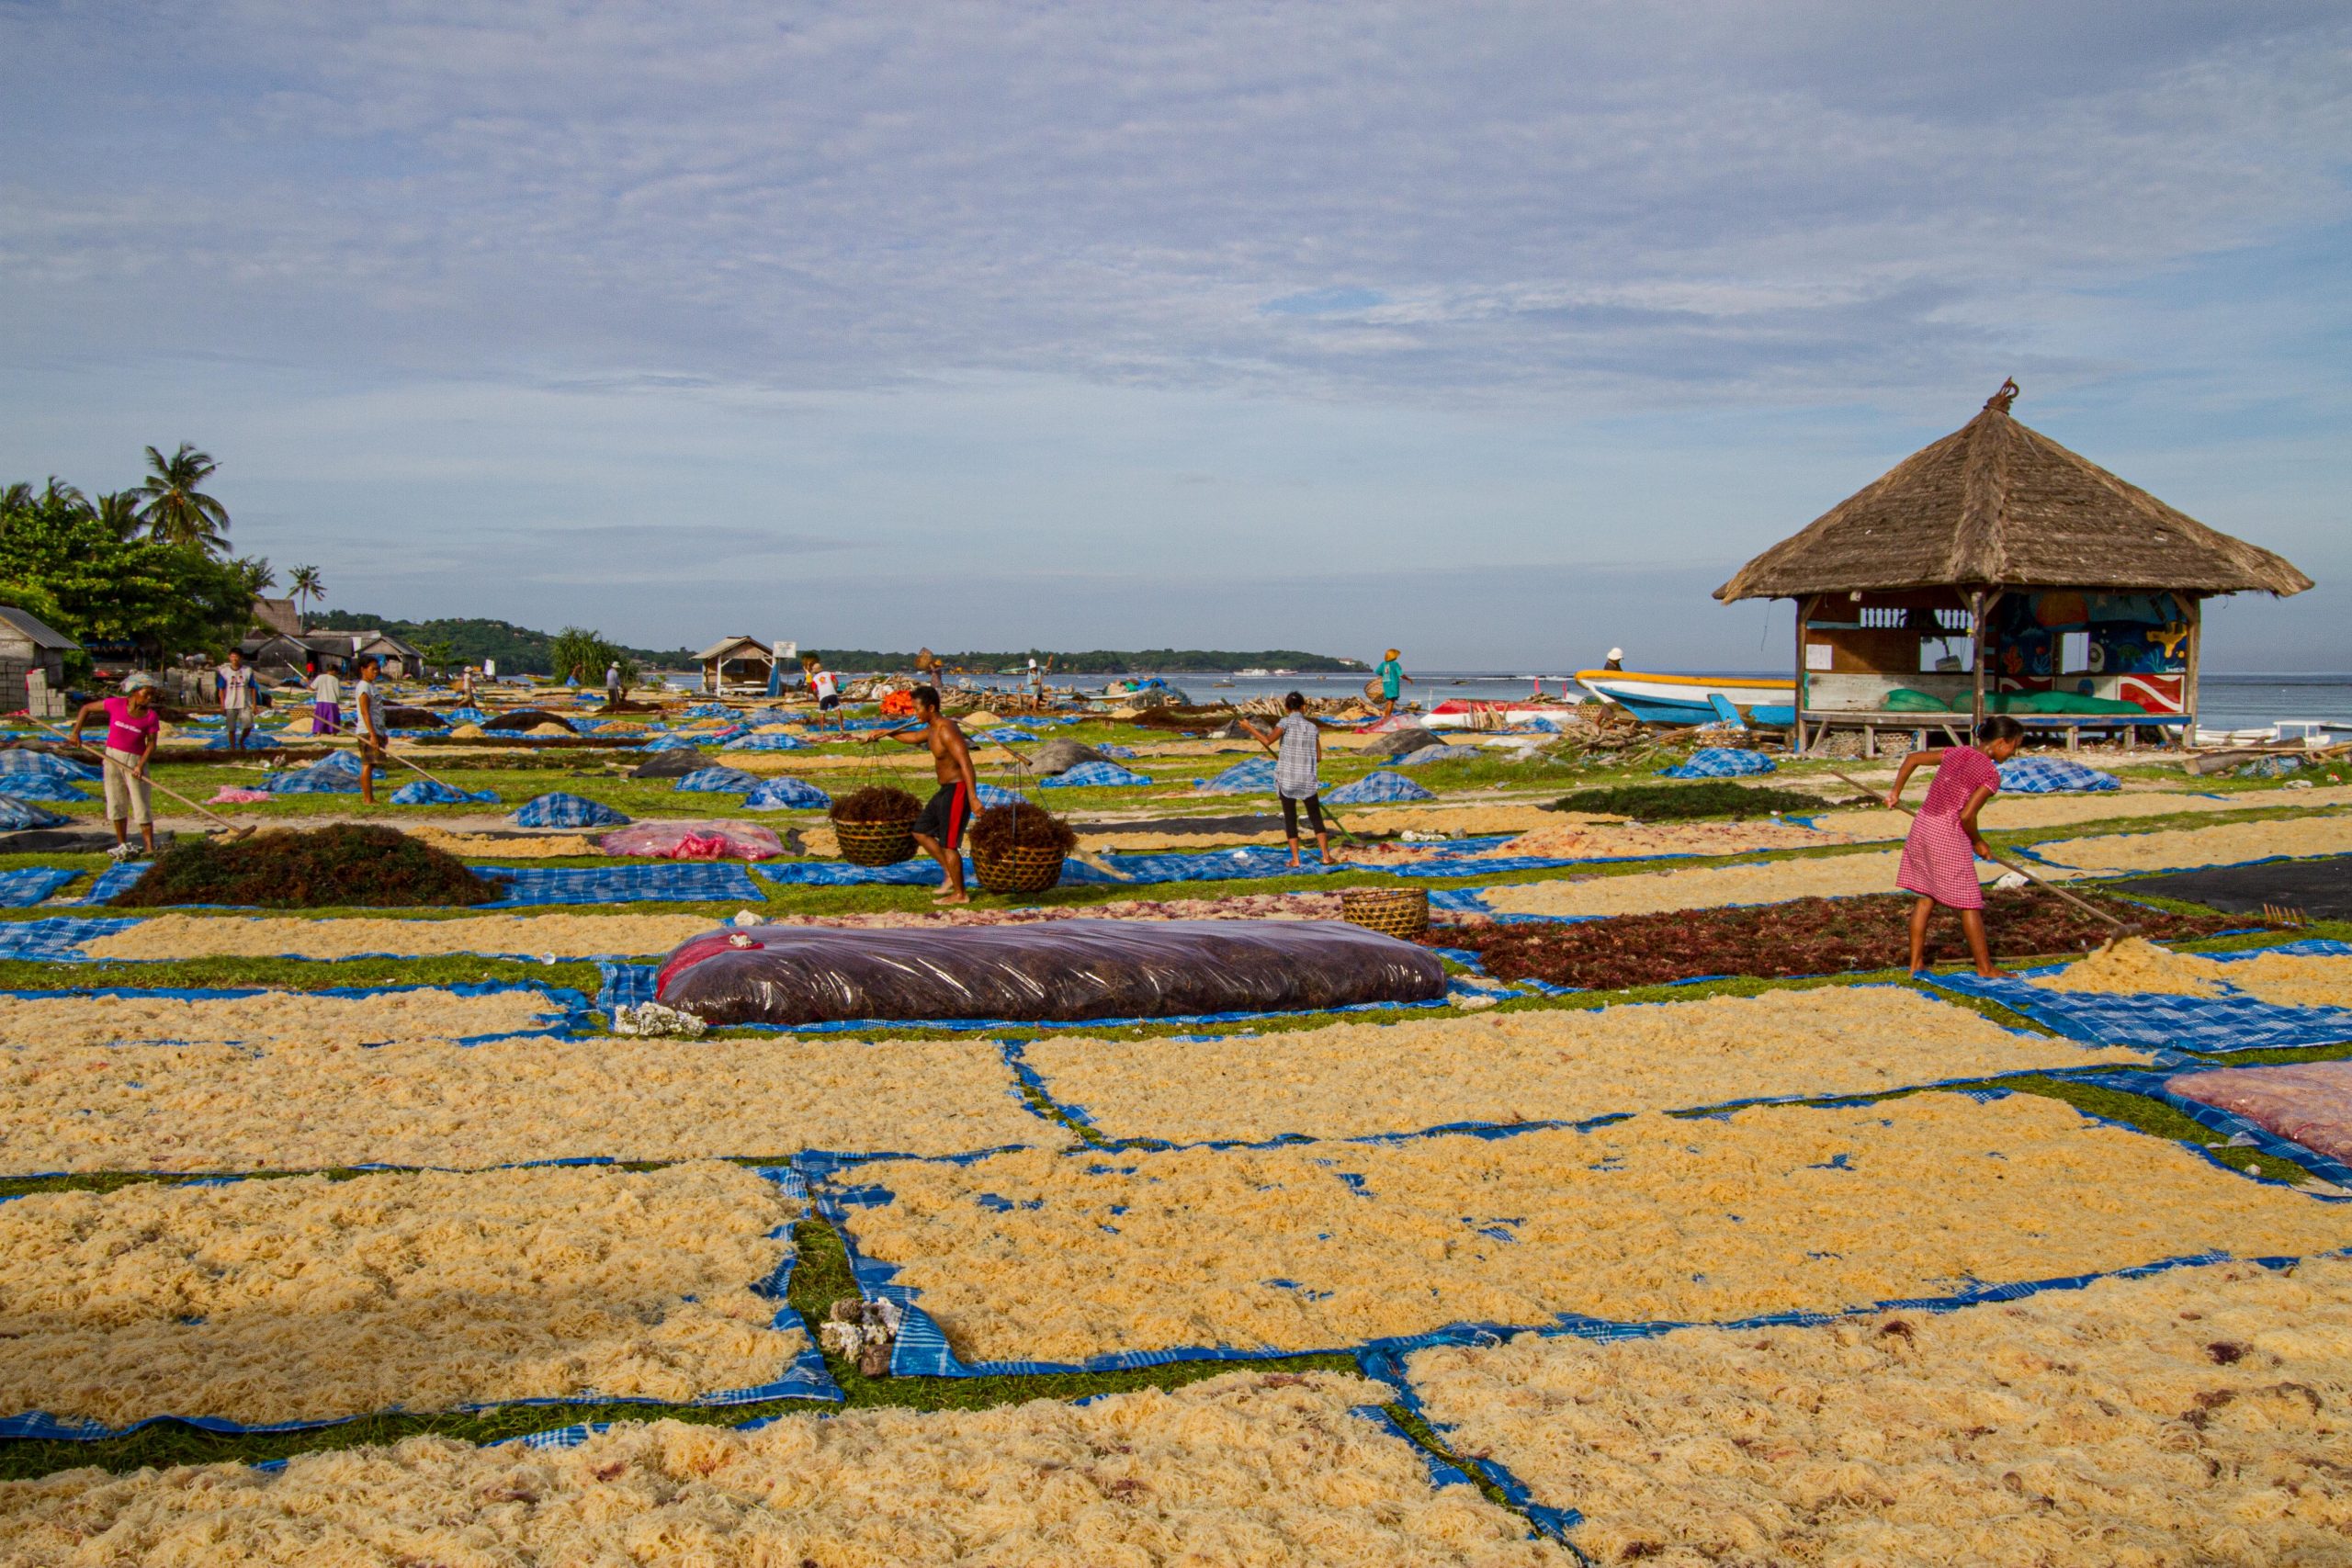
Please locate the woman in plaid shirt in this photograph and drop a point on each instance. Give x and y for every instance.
(1294, 765)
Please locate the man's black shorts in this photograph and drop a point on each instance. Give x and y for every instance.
(943, 820)
(827, 704)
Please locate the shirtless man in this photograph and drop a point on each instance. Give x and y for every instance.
(940, 828)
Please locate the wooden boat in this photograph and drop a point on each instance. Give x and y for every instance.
(1688, 699)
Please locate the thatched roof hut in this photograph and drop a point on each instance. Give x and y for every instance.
(1997, 504)
(2079, 595)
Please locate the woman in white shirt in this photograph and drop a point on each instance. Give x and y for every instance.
(326, 703)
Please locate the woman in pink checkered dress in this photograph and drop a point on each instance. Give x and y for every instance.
(1939, 856)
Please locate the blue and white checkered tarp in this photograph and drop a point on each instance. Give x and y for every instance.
(684, 883)
(787, 794)
(1119, 753)
(113, 880)
(767, 743)
(335, 774)
(718, 780)
(1255, 776)
(1005, 734)
(58, 939)
(1719, 762)
(671, 743)
(432, 792)
(564, 1011)
(42, 786)
(992, 795)
(805, 1377)
(466, 716)
(560, 808)
(1421, 756)
(27, 885)
(1097, 776)
(2243, 1131)
(1376, 788)
(2053, 775)
(19, 759)
(15, 815)
(2158, 1021)
(626, 985)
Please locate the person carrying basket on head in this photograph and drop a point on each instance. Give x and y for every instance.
(1301, 741)
(1392, 678)
(133, 726)
(1940, 853)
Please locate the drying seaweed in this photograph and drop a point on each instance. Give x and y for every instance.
(1191, 718)
(346, 864)
(999, 829)
(1687, 802)
(399, 717)
(1808, 936)
(875, 802)
(528, 719)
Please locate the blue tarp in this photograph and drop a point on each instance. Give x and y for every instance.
(431, 792)
(18, 761)
(718, 780)
(767, 743)
(559, 808)
(1005, 734)
(1719, 762)
(2163, 1021)
(60, 938)
(2244, 1130)
(787, 794)
(15, 815)
(42, 786)
(1097, 776)
(1255, 776)
(670, 743)
(566, 1009)
(2053, 775)
(992, 795)
(27, 885)
(685, 882)
(113, 880)
(1376, 788)
(1422, 756)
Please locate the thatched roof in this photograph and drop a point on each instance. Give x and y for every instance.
(1996, 504)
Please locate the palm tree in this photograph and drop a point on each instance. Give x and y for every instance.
(176, 512)
(305, 584)
(60, 494)
(117, 512)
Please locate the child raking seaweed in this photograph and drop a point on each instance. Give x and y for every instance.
(1939, 855)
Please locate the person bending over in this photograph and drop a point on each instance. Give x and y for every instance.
(825, 686)
(940, 828)
(1939, 856)
(1301, 753)
(133, 726)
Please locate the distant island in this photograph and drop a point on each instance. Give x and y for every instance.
(521, 652)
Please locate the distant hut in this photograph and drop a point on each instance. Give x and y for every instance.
(737, 666)
(1997, 571)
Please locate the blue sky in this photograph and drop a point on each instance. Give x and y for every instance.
(1501, 333)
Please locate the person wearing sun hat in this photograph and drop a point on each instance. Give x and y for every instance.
(1392, 680)
(132, 728)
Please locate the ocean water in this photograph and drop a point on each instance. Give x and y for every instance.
(2226, 701)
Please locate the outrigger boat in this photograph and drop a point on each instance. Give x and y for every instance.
(1689, 699)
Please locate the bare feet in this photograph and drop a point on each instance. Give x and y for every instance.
(959, 896)
(1992, 973)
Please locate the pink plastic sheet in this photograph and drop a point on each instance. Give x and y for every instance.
(693, 840)
(2309, 1102)
(1058, 972)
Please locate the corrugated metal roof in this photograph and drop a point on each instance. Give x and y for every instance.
(42, 634)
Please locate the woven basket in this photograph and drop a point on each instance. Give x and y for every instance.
(1024, 868)
(875, 843)
(1391, 911)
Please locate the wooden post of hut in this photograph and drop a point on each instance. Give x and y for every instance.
(2082, 595)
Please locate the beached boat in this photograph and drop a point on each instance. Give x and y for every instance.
(1477, 713)
(1685, 699)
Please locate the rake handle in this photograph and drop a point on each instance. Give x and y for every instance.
(2002, 860)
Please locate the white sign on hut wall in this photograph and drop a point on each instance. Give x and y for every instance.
(1816, 656)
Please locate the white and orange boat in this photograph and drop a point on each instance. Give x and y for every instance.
(1690, 699)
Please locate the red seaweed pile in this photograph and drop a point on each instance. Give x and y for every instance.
(351, 864)
(1807, 936)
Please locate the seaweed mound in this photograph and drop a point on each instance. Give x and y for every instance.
(997, 830)
(875, 802)
(1689, 802)
(347, 863)
(399, 717)
(530, 719)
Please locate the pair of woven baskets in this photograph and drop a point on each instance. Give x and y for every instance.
(1391, 911)
(875, 843)
(1023, 868)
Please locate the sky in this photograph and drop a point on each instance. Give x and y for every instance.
(1500, 332)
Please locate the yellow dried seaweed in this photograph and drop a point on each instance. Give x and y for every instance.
(1787, 1208)
(2289, 979)
(223, 1108)
(264, 936)
(1562, 1065)
(1272, 1470)
(299, 1297)
(2227, 843)
(2190, 1418)
(49, 1024)
(1643, 893)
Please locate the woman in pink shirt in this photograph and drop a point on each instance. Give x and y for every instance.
(132, 727)
(1939, 856)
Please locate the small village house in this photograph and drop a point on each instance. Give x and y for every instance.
(30, 645)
